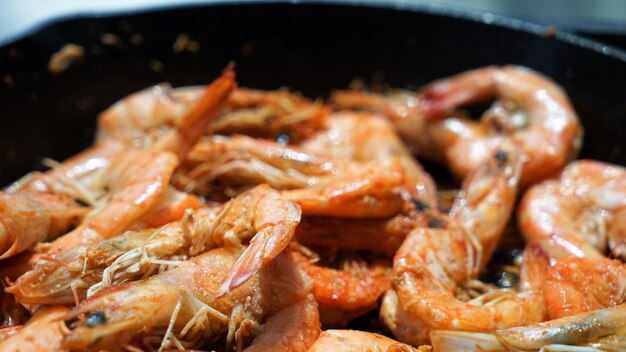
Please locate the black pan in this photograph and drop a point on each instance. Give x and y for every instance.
(312, 48)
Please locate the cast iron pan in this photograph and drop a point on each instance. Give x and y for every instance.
(312, 48)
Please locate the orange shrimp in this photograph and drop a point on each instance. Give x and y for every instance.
(29, 218)
(367, 137)
(437, 269)
(261, 214)
(320, 185)
(382, 236)
(43, 332)
(578, 285)
(354, 341)
(181, 308)
(533, 111)
(430, 282)
(354, 289)
(578, 214)
(271, 114)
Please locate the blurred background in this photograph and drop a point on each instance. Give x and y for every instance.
(604, 20)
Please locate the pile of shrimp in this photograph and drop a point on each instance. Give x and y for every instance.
(222, 218)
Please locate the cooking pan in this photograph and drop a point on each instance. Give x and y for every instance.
(309, 47)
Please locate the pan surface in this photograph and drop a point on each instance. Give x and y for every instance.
(312, 48)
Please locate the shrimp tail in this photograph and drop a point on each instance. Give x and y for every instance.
(266, 245)
(198, 118)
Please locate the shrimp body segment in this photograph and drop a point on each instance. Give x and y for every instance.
(579, 285)
(580, 214)
(30, 218)
(181, 307)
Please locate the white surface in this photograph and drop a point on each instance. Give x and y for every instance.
(18, 17)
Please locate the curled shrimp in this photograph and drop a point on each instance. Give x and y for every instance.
(381, 236)
(353, 289)
(271, 114)
(320, 185)
(603, 330)
(600, 330)
(578, 285)
(354, 340)
(436, 269)
(367, 137)
(532, 111)
(259, 214)
(43, 332)
(578, 214)
(30, 218)
(181, 307)
(137, 181)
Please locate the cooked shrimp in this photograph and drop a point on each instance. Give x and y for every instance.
(260, 214)
(272, 114)
(29, 218)
(382, 236)
(320, 185)
(367, 137)
(578, 285)
(354, 340)
(43, 332)
(180, 307)
(354, 288)
(292, 329)
(600, 330)
(535, 113)
(578, 214)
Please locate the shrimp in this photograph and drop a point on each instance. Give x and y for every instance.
(436, 269)
(271, 114)
(533, 111)
(43, 332)
(354, 340)
(30, 218)
(320, 185)
(137, 180)
(574, 215)
(260, 214)
(292, 329)
(181, 307)
(578, 285)
(433, 292)
(355, 288)
(603, 329)
(367, 137)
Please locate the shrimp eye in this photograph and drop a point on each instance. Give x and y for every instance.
(436, 223)
(95, 318)
(419, 205)
(500, 157)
